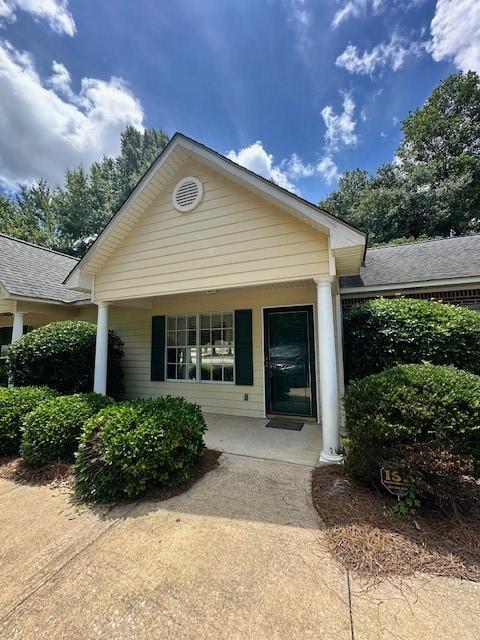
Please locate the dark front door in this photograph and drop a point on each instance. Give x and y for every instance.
(289, 361)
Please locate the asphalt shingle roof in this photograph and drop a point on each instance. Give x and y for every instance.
(419, 261)
(30, 271)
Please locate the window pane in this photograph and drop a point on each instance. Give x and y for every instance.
(181, 322)
(217, 372)
(181, 369)
(192, 322)
(171, 339)
(227, 320)
(192, 371)
(228, 373)
(181, 356)
(228, 335)
(216, 320)
(205, 337)
(171, 369)
(171, 355)
(205, 321)
(192, 338)
(205, 371)
(216, 336)
(181, 338)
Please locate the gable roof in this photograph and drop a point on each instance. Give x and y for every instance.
(343, 236)
(30, 271)
(417, 262)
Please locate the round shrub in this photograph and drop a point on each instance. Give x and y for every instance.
(132, 446)
(62, 356)
(410, 404)
(15, 404)
(52, 430)
(382, 333)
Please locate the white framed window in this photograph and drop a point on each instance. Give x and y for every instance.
(200, 347)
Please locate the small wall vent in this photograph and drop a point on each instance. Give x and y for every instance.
(187, 194)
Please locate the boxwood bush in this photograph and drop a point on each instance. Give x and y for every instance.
(410, 404)
(382, 333)
(52, 430)
(15, 404)
(132, 446)
(62, 356)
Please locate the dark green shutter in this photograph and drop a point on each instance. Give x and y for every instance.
(243, 347)
(157, 370)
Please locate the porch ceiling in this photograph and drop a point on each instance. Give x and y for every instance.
(151, 301)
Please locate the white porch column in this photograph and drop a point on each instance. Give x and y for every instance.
(17, 329)
(101, 350)
(327, 373)
(17, 332)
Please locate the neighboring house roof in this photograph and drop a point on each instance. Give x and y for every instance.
(418, 262)
(346, 241)
(30, 271)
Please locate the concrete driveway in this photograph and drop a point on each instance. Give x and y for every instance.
(240, 555)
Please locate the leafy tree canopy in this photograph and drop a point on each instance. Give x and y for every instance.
(68, 218)
(433, 187)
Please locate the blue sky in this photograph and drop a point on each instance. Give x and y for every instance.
(298, 90)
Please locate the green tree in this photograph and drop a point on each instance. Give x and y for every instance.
(433, 188)
(68, 218)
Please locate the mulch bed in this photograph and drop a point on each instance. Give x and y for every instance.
(367, 539)
(60, 474)
(54, 474)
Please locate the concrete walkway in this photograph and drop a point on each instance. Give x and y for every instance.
(250, 437)
(240, 556)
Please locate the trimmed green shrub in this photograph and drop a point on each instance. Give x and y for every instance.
(62, 356)
(3, 375)
(437, 475)
(132, 446)
(382, 333)
(52, 430)
(410, 404)
(15, 404)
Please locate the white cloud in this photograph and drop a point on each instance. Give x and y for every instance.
(54, 12)
(356, 9)
(340, 128)
(455, 31)
(300, 17)
(328, 169)
(258, 160)
(386, 54)
(296, 168)
(46, 130)
(60, 79)
(286, 172)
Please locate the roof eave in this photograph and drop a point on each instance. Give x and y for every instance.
(418, 284)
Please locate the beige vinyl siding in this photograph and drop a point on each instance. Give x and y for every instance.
(233, 238)
(134, 327)
(7, 306)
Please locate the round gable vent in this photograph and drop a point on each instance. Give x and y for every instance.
(187, 194)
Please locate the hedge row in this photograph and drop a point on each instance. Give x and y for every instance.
(407, 405)
(123, 449)
(383, 333)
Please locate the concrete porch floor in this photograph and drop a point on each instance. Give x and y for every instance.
(250, 437)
